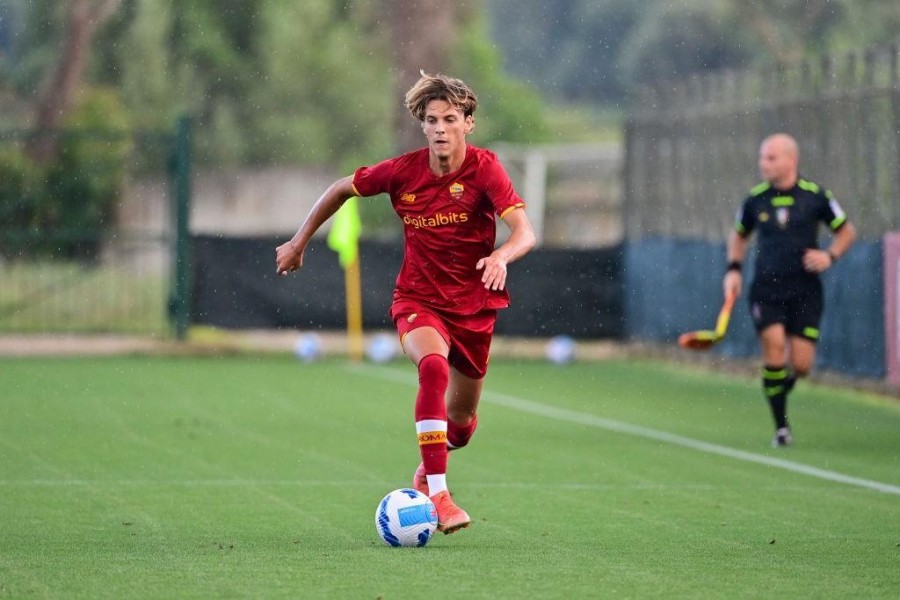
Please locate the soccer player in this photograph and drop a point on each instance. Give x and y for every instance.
(452, 280)
(786, 294)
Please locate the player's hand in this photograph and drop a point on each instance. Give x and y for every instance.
(816, 261)
(732, 283)
(494, 276)
(288, 258)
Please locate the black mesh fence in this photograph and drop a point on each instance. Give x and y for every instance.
(554, 292)
(82, 249)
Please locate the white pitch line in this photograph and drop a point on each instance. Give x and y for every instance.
(580, 418)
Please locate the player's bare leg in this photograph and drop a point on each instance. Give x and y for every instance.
(803, 355)
(463, 395)
(773, 340)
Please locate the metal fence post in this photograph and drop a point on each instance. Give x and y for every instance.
(181, 195)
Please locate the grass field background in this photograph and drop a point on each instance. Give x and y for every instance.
(258, 476)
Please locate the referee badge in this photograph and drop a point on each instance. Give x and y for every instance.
(782, 216)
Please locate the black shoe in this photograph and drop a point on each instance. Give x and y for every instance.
(782, 438)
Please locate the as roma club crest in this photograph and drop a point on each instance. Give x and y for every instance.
(456, 191)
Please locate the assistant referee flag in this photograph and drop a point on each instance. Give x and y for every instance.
(344, 235)
(344, 239)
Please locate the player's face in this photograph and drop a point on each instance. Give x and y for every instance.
(446, 127)
(776, 164)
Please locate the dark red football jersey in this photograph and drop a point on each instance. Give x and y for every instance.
(448, 225)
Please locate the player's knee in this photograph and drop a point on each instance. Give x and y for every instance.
(435, 370)
(801, 369)
(463, 417)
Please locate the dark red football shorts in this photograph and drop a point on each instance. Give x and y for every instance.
(469, 336)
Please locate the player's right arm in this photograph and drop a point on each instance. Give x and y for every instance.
(289, 255)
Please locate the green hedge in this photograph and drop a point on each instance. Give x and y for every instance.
(65, 207)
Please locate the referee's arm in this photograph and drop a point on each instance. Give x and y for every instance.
(818, 261)
(736, 251)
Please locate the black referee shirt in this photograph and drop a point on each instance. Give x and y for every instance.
(787, 223)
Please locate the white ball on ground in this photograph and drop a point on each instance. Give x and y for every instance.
(560, 350)
(382, 348)
(308, 347)
(405, 517)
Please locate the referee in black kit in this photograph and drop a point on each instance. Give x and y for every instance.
(786, 294)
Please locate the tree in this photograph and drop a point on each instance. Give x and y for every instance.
(589, 50)
(83, 19)
(270, 82)
(423, 37)
(673, 41)
(789, 30)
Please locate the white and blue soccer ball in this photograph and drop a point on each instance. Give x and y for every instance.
(406, 517)
(560, 350)
(382, 348)
(308, 347)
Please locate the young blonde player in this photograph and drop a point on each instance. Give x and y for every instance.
(453, 280)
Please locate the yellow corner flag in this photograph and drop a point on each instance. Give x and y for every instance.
(344, 235)
(344, 239)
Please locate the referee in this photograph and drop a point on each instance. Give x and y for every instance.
(786, 294)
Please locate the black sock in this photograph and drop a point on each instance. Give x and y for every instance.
(789, 383)
(775, 387)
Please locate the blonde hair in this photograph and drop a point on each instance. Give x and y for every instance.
(440, 87)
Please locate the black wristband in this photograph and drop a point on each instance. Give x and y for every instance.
(831, 255)
(735, 265)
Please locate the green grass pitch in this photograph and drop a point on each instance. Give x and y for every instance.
(258, 476)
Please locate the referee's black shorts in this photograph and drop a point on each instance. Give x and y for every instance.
(796, 304)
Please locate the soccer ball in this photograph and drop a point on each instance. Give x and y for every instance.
(382, 348)
(405, 517)
(308, 347)
(560, 350)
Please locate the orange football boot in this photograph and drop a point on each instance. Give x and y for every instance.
(450, 516)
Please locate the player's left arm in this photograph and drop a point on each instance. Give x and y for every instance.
(521, 240)
(818, 261)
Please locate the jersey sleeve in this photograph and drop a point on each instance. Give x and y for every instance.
(499, 187)
(831, 212)
(374, 180)
(745, 220)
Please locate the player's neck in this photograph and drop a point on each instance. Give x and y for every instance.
(444, 165)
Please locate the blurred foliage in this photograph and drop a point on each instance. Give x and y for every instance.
(268, 81)
(64, 208)
(566, 48)
(19, 197)
(590, 51)
(283, 82)
(674, 41)
(508, 110)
